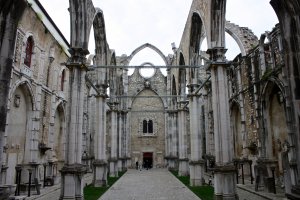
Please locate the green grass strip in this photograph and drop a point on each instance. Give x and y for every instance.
(205, 192)
(94, 193)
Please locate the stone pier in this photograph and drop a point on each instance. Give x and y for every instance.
(73, 170)
(196, 162)
(113, 161)
(100, 163)
(183, 159)
(225, 181)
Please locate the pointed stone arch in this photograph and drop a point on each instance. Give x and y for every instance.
(150, 46)
(28, 89)
(182, 77)
(236, 127)
(243, 36)
(274, 118)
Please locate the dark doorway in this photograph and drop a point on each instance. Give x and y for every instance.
(147, 160)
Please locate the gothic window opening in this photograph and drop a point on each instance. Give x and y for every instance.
(62, 80)
(28, 52)
(147, 126)
(150, 126)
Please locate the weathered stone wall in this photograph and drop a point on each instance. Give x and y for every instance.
(34, 98)
(147, 98)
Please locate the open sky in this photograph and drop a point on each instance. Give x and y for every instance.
(131, 23)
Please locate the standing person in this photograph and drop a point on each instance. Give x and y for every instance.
(137, 165)
(140, 165)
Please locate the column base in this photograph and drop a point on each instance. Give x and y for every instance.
(183, 167)
(113, 168)
(222, 197)
(72, 182)
(172, 162)
(100, 173)
(197, 173)
(225, 182)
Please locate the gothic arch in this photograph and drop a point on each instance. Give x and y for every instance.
(273, 112)
(181, 77)
(138, 94)
(195, 37)
(100, 34)
(147, 45)
(243, 36)
(82, 14)
(236, 127)
(147, 63)
(113, 58)
(28, 89)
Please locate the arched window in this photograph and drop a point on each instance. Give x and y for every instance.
(145, 126)
(28, 52)
(62, 80)
(150, 126)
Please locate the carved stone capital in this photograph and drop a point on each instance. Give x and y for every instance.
(225, 168)
(100, 162)
(77, 169)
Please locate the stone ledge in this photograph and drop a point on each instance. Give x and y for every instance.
(74, 169)
(99, 162)
(197, 162)
(224, 169)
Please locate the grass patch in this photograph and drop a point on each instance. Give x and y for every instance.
(205, 192)
(94, 193)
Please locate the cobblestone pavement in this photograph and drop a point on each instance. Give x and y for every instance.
(153, 184)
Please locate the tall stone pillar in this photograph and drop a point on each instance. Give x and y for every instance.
(196, 162)
(100, 162)
(172, 140)
(174, 146)
(225, 181)
(113, 161)
(73, 170)
(119, 122)
(183, 159)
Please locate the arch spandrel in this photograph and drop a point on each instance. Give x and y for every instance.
(99, 32)
(82, 15)
(217, 21)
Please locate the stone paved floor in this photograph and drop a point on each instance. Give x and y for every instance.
(154, 184)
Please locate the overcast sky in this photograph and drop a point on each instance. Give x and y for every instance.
(131, 23)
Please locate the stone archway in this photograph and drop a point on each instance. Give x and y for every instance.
(18, 140)
(236, 127)
(274, 120)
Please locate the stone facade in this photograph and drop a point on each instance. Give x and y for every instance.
(207, 115)
(147, 105)
(35, 127)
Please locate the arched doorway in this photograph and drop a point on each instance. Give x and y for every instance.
(17, 147)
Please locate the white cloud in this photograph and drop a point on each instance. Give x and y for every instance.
(131, 23)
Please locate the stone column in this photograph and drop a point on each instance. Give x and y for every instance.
(73, 170)
(113, 161)
(196, 162)
(183, 160)
(100, 163)
(225, 180)
(174, 144)
(172, 140)
(122, 141)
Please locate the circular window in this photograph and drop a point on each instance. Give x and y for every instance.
(147, 72)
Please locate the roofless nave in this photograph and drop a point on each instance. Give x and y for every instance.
(208, 114)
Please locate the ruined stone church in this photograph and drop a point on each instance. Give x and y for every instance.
(65, 113)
